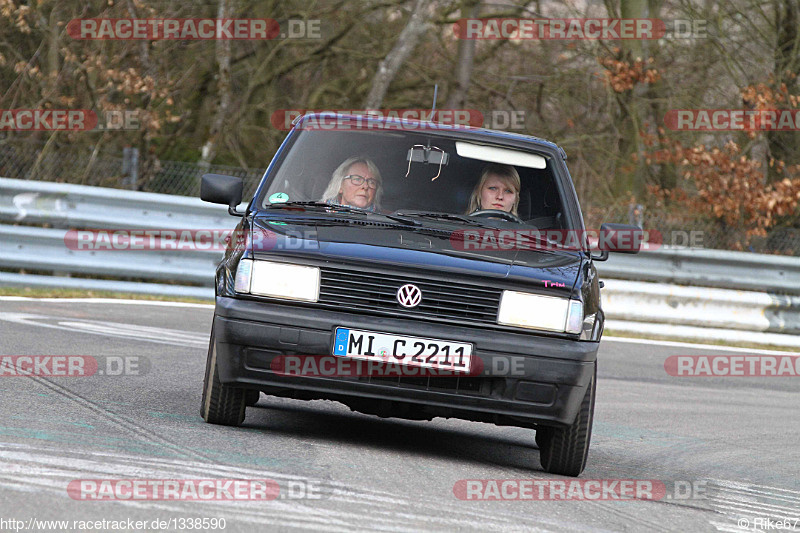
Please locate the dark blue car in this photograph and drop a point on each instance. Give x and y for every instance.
(414, 270)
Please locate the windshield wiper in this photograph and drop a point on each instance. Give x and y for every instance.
(445, 216)
(324, 205)
(399, 218)
(338, 208)
(519, 234)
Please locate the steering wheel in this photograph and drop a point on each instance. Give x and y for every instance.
(496, 213)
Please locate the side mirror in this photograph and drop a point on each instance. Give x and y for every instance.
(621, 238)
(222, 189)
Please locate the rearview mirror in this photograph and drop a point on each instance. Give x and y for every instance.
(622, 238)
(222, 189)
(429, 155)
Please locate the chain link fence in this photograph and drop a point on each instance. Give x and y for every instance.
(22, 159)
(66, 163)
(681, 229)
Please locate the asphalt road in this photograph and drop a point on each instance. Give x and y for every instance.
(736, 440)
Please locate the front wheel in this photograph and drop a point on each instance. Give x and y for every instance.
(564, 450)
(222, 404)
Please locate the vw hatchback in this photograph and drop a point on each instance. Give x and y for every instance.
(413, 270)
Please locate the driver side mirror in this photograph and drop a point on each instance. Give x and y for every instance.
(621, 238)
(222, 189)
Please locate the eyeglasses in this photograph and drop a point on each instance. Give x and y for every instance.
(357, 180)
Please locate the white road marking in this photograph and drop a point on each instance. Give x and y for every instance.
(48, 470)
(110, 329)
(743, 503)
(698, 346)
(106, 301)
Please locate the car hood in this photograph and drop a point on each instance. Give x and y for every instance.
(396, 245)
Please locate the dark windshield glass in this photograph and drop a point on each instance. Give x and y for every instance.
(370, 170)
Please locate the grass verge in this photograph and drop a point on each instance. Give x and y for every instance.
(82, 293)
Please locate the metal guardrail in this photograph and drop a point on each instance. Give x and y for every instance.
(80, 206)
(26, 247)
(639, 301)
(708, 268)
(708, 294)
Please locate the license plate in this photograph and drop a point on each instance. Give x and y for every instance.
(402, 349)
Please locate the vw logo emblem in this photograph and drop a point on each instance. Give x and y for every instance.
(409, 295)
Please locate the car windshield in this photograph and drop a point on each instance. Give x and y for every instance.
(417, 174)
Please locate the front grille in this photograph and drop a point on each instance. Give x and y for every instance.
(378, 292)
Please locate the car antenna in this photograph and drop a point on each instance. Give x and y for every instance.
(427, 149)
(433, 107)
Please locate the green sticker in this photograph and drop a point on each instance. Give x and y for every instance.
(278, 198)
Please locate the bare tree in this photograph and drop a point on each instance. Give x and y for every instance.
(457, 98)
(406, 42)
(223, 56)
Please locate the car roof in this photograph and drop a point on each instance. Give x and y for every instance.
(470, 131)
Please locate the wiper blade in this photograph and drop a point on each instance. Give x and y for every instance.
(324, 205)
(399, 218)
(338, 208)
(445, 216)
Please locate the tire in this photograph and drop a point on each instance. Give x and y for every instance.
(564, 450)
(222, 404)
(251, 397)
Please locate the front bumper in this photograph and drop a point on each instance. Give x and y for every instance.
(527, 379)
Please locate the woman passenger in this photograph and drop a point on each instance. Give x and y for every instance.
(498, 188)
(356, 183)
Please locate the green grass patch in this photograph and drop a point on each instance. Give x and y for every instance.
(83, 293)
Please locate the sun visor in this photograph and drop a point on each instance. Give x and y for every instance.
(505, 156)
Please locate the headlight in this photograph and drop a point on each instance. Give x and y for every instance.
(279, 280)
(534, 311)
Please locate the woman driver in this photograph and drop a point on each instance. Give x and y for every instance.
(356, 183)
(498, 189)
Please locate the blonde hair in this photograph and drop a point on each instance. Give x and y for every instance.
(507, 173)
(331, 194)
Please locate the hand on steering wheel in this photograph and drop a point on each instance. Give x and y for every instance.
(496, 213)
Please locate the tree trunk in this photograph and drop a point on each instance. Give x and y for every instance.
(632, 149)
(52, 52)
(388, 68)
(465, 61)
(783, 145)
(223, 56)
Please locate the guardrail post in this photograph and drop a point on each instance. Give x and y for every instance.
(130, 166)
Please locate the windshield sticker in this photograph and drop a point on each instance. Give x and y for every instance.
(278, 198)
